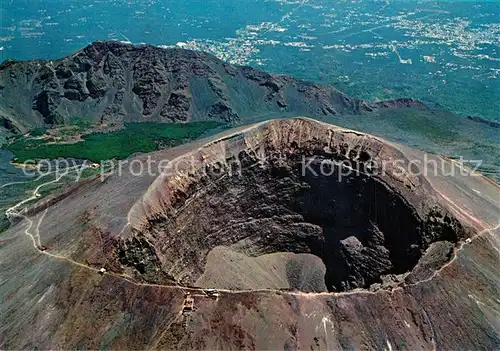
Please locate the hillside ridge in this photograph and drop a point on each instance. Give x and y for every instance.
(115, 81)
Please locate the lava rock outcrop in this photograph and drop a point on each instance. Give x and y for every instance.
(116, 81)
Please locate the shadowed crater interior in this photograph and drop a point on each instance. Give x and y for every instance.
(258, 225)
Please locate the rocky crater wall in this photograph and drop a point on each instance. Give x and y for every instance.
(249, 195)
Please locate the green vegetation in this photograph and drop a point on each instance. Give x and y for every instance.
(135, 137)
(432, 129)
(81, 122)
(38, 131)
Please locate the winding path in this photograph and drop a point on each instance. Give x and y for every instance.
(35, 238)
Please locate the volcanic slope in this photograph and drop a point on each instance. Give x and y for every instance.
(386, 258)
(113, 81)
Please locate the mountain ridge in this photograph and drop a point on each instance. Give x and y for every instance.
(115, 81)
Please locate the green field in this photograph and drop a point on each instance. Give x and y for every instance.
(134, 137)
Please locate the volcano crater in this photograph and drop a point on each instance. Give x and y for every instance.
(285, 214)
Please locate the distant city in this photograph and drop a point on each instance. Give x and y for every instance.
(446, 54)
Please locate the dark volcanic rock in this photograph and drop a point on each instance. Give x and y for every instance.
(160, 85)
(399, 103)
(490, 123)
(45, 103)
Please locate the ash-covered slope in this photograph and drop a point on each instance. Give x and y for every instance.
(117, 81)
(409, 259)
